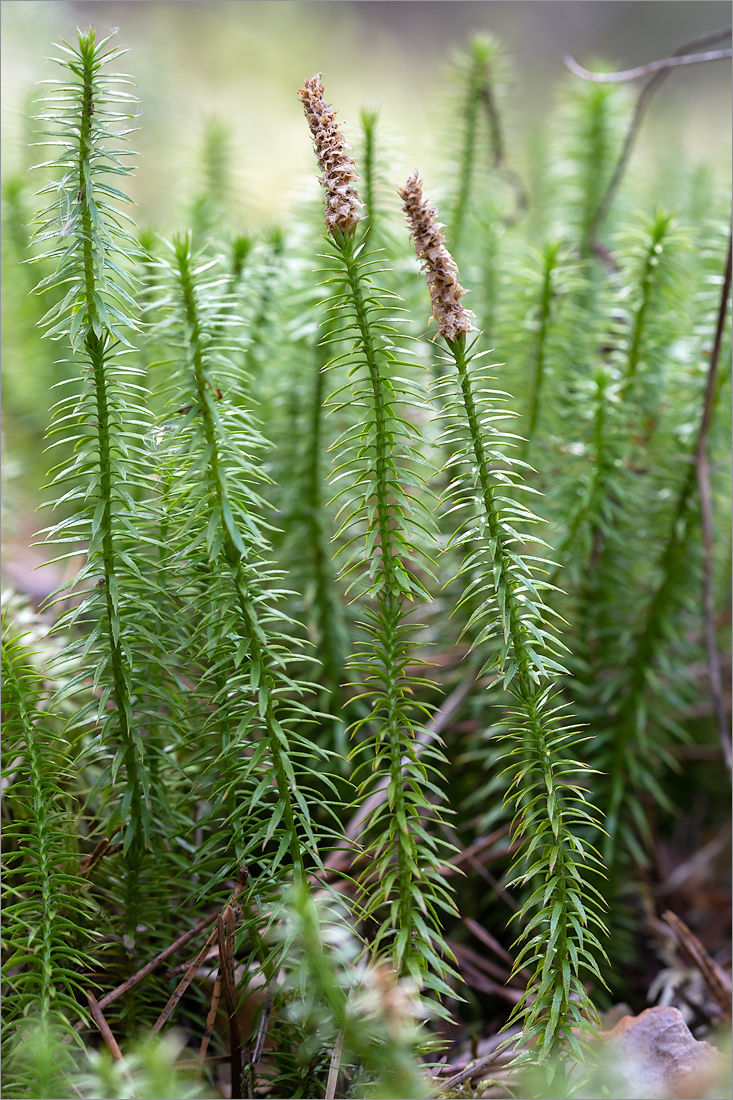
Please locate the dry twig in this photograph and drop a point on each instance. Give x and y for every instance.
(646, 70)
(474, 1070)
(209, 1025)
(333, 1069)
(226, 932)
(717, 981)
(264, 1021)
(639, 108)
(109, 1039)
(703, 481)
(89, 862)
(193, 968)
(104, 1028)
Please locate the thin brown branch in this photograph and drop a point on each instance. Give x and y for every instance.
(697, 863)
(143, 972)
(89, 862)
(185, 981)
(706, 508)
(473, 1071)
(264, 1021)
(618, 173)
(639, 108)
(474, 979)
(515, 181)
(704, 40)
(480, 974)
(333, 1069)
(209, 1025)
(193, 968)
(213, 958)
(477, 850)
(646, 70)
(105, 1031)
(488, 940)
(472, 861)
(226, 930)
(713, 975)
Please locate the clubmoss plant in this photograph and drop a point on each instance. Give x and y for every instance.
(556, 940)
(101, 488)
(174, 812)
(93, 254)
(386, 517)
(213, 206)
(535, 329)
(27, 405)
(236, 631)
(259, 298)
(47, 915)
(41, 1064)
(480, 71)
(308, 521)
(628, 438)
(592, 117)
(652, 253)
(638, 743)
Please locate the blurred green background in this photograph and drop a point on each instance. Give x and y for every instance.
(241, 62)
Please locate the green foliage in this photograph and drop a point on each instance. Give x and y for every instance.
(480, 74)
(40, 1063)
(261, 606)
(45, 1070)
(368, 1017)
(47, 913)
(103, 416)
(551, 810)
(217, 538)
(387, 519)
(589, 140)
(148, 1072)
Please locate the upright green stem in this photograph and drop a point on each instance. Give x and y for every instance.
(483, 65)
(390, 599)
(233, 556)
(540, 347)
(513, 628)
(554, 937)
(41, 814)
(467, 155)
(329, 622)
(673, 561)
(639, 327)
(369, 130)
(97, 347)
(259, 324)
(595, 494)
(651, 637)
